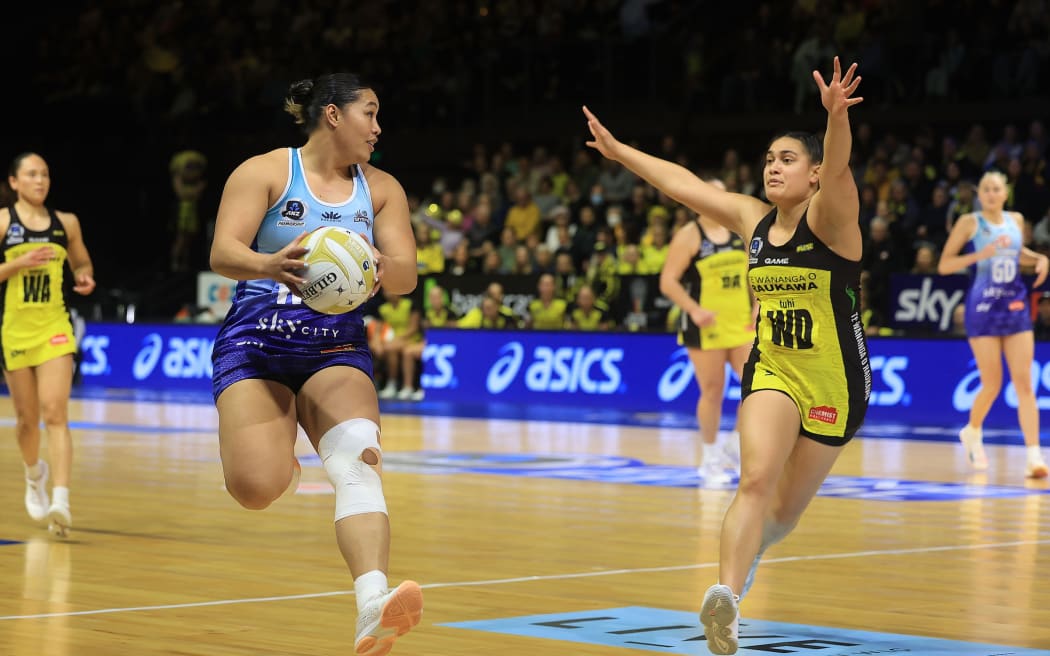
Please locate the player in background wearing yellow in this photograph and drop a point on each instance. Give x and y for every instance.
(547, 311)
(806, 385)
(401, 328)
(705, 275)
(278, 364)
(998, 318)
(36, 333)
(587, 312)
(438, 314)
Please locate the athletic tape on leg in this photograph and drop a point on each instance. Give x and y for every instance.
(358, 485)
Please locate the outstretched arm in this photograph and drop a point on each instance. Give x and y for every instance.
(737, 212)
(835, 208)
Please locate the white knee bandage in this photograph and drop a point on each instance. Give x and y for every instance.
(347, 451)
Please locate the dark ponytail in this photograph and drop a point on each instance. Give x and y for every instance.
(7, 194)
(306, 99)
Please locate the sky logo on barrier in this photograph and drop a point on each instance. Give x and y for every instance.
(927, 304)
(679, 632)
(564, 369)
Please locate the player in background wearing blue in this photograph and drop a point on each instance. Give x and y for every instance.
(277, 363)
(998, 317)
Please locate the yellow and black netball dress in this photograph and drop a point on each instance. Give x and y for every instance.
(810, 342)
(34, 320)
(716, 279)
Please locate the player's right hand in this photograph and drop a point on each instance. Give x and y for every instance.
(702, 317)
(287, 265)
(36, 257)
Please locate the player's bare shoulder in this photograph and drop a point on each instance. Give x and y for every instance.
(268, 171)
(5, 220)
(270, 166)
(966, 223)
(382, 185)
(69, 221)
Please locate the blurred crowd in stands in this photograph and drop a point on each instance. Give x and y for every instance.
(451, 63)
(194, 76)
(589, 222)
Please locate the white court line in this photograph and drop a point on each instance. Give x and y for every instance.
(543, 577)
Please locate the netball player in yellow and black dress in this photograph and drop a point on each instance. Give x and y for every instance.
(705, 276)
(437, 314)
(807, 382)
(36, 334)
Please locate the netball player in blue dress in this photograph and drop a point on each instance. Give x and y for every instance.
(278, 364)
(998, 317)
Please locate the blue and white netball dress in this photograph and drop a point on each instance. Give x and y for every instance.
(997, 304)
(268, 332)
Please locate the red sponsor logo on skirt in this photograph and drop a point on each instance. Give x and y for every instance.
(61, 338)
(824, 413)
(1016, 305)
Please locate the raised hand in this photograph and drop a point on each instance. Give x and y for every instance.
(603, 142)
(836, 94)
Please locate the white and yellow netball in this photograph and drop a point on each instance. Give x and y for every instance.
(340, 270)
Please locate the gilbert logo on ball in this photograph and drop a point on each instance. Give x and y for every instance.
(340, 270)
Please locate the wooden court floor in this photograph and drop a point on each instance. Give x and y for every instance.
(162, 561)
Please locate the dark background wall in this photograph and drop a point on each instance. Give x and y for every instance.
(108, 91)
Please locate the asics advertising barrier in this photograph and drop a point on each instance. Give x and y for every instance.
(153, 357)
(913, 381)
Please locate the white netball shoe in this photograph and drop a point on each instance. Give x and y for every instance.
(60, 520)
(713, 473)
(37, 501)
(973, 440)
(721, 619)
(1036, 468)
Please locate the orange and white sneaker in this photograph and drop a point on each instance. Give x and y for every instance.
(721, 619)
(388, 617)
(973, 440)
(1036, 468)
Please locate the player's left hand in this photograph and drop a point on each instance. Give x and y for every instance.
(1042, 265)
(835, 95)
(380, 265)
(83, 284)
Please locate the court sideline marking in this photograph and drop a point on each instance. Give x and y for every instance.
(542, 577)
